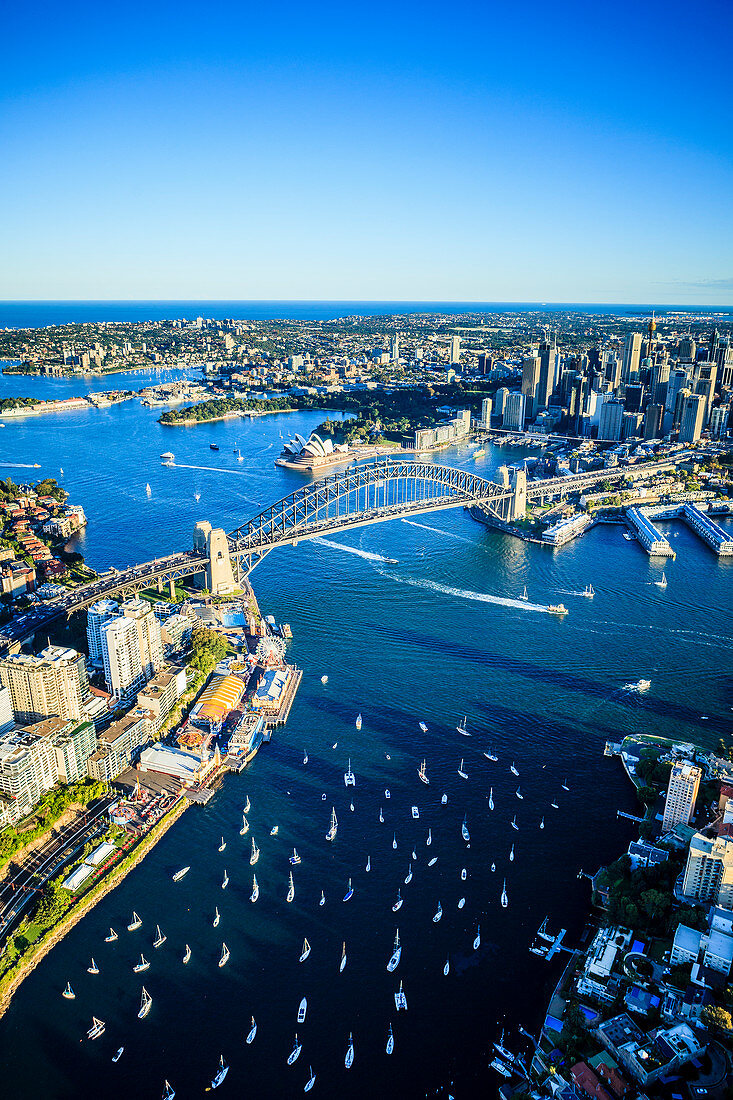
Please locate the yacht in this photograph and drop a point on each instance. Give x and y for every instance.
(408, 876)
(311, 1080)
(643, 685)
(224, 955)
(477, 941)
(390, 1041)
(463, 728)
(557, 609)
(519, 794)
(252, 1032)
(295, 1052)
(245, 826)
(187, 955)
(217, 917)
(438, 913)
(589, 591)
(415, 812)
(112, 936)
(93, 969)
(398, 904)
(145, 1003)
(324, 679)
(322, 899)
(160, 938)
(181, 874)
(421, 772)
(491, 798)
(514, 769)
(69, 992)
(225, 880)
(394, 840)
(444, 799)
(429, 840)
(504, 896)
(514, 823)
(223, 844)
(96, 1029)
(255, 889)
(274, 830)
(342, 963)
(461, 772)
(349, 893)
(464, 830)
(423, 727)
(294, 858)
(116, 1057)
(135, 923)
(349, 777)
(302, 1009)
(394, 962)
(220, 1074)
(349, 1059)
(291, 888)
(368, 864)
(305, 952)
(446, 968)
(400, 999)
(511, 854)
(358, 721)
(255, 854)
(142, 965)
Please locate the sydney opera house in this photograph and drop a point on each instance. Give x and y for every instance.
(312, 452)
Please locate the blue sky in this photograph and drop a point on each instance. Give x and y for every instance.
(471, 151)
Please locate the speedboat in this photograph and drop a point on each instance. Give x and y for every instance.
(181, 874)
(423, 727)
(224, 955)
(461, 772)
(461, 902)
(342, 963)
(111, 937)
(142, 965)
(302, 1009)
(463, 728)
(187, 956)
(438, 913)
(446, 968)
(421, 772)
(400, 999)
(349, 1059)
(349, 893)
(415, 812)
(390, 1041)
(394, 840)
(255, 889)
(295, 1052)
(305, 952)
(223, 844)
(408, 876)
(93, 969)
(504, 896)
(349, 777)
(358, 721)
(464, 830)
(69, 992)
(491, 798)
(274, 830)
(116, 1057)
(220, 1074)
(294, 858)
(135, 923)
(291, 889)
(145, 1002)
(477, 941)
(217, 917)
(394, 962)
(252, 1032)
(398, 904)
(311, 1080)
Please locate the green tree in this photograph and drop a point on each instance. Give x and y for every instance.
(716, 1018)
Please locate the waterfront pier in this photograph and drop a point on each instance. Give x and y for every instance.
(653, 541)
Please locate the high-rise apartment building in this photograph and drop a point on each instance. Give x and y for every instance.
(693, 417)
(6, 710)
(455, 349)
(27, 770)
(632, 356)
(123, 671)
(148, 632)
(684, 781)
(709, 871)
(486, 412)
(52, 684)
(97, 615)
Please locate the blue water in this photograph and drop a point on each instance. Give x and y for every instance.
(30, 314)
(435, 637)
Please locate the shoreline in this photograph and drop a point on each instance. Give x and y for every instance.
(234, 415)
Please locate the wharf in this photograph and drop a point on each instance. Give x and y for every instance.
(279, 719)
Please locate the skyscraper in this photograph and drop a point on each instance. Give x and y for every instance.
(123, 670)
(455, 349)
(611, 419)
(52, 684)
(632, 355)
(486, 412)
(653, 421)
(709, 870)
(514, 412)
(684, 781)
(693, 417)
(530, 383)
(97, 615)
(148, 632)
(548, 372)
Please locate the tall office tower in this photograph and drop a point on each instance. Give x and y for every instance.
(687, 349)
(679, 405)
(611, 419)
(500, 400)
(6, 710)
(724, 363)
(548, 372)
(658, 383)
(148, 631)
(714, 344)
(653, 421)
(677, 381)
(455, 349)
(530, 382)
(612, 371)
(705, 376)
(97, 615)
(514, 412)
(719, 420)
(709, 871)
(634, 397)
(684, 781)
(693, 418)
(485, 362)
(52, 684)
(632, 355)
(486, 412)
(576, 401)
(394, 351)
(123, 671)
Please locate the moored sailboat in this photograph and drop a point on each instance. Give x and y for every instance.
(305, 952)
(421, 772)
(224, 955)
(255, 854)
(255, 889)
(396, 954)
(112, 936)
(68, 992)
(142, 965)
(135, 923)
(342, 964)
(145, 1003)
(331, 834)
(291, 888)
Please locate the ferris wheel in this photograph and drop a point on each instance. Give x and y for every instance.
(270, 650)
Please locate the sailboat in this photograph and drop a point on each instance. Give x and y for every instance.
(135, 923)
(302, 1009)
(565, 785)
(225, 880)
(477, 941)
(291, 888)
(112, 936)
(429, 840)
(394, 962)
(381, 815)
(223, 844)
(390, 1041)
(311, 1080)
(96, 1029)
(394, 841)
(116, 1057)
(519, 794)
(294, 858)
(438, 913)
(342, 964)
(160, 938)
(93, 969)
(491, 798)
(224, 954)
(145, 1002)
(295, 1053)
(554, 805)
(504, 896)
(349, 777)
(464, 830)
(69, 992)
(524, 595)
(421, 772)
(305, 952)
(514, 823)
(252, 1031)
(513, 769)
(589, 591)
(511, 854)
(187, 955)
(349, 893)
(398, 904)
(142, 965)
(349, 1058)
(408, 876)
(542, 823)
(358, 721)
(148, 490)
(255, 854)
(245, 826)
(217, 917)
(491, 755)
(400, 999)
(368, 864)
(170, 1092)
(463, 728)
(446, 968)
(255, 889)
(221, 1073)
(663, 582)
(461, 772)
(322, 900)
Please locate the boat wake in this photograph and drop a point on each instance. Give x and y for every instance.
(211, 469)
(349, 549)
(467, 594)
(438, 531)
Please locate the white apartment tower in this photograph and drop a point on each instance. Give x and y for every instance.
(52, 684)
(123, 671)
(99, 614)
(150, 642)
(684, 781)
(709, 871)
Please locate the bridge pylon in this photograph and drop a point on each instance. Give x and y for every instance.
(212, 542)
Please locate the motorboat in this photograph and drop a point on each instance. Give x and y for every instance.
(444, 799)
(390, 1041)
(349, 893)
(643, 685)
(463, 727)
(497, 1064)
(342, 963)
(255, 889)
(477, 940)
(463, 874)
(223, 844)
(400, 999)
(463, 774)
(433, 861)
(68, 992)
(415, 812)
(145, 1004)
(252, 1032)
(429, 840)
(311, 1080)
(112, 936)
(464, 830)
(291, 888)
(358, 721)
(214, 446)
(255, 854)
(217, 917)
(294, 858)
(421, 772)
(135, 923)
(224, 955)
(557, 609)
(295, 1052)
(274, 830)
(491, 798)
(97, 1028)
(220, 1074)
(245, 826)
(93, 969)
(446, 968)
(349, 1058)
(225, 880)
(116, 1057)
(513, 769)
(461, 902)
(187, 955)
(302, 1009)
(398, 904)
(181, 874)
(504, 896)
(349, 777)
(423, 727)
(394, 840)
(142, 965)
(408, 876)
(438, 913)
(394, 961)
(386, 793)
(324, 679)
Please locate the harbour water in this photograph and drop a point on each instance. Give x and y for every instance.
(439, 635)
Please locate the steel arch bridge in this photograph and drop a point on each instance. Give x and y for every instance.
(359, 495)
